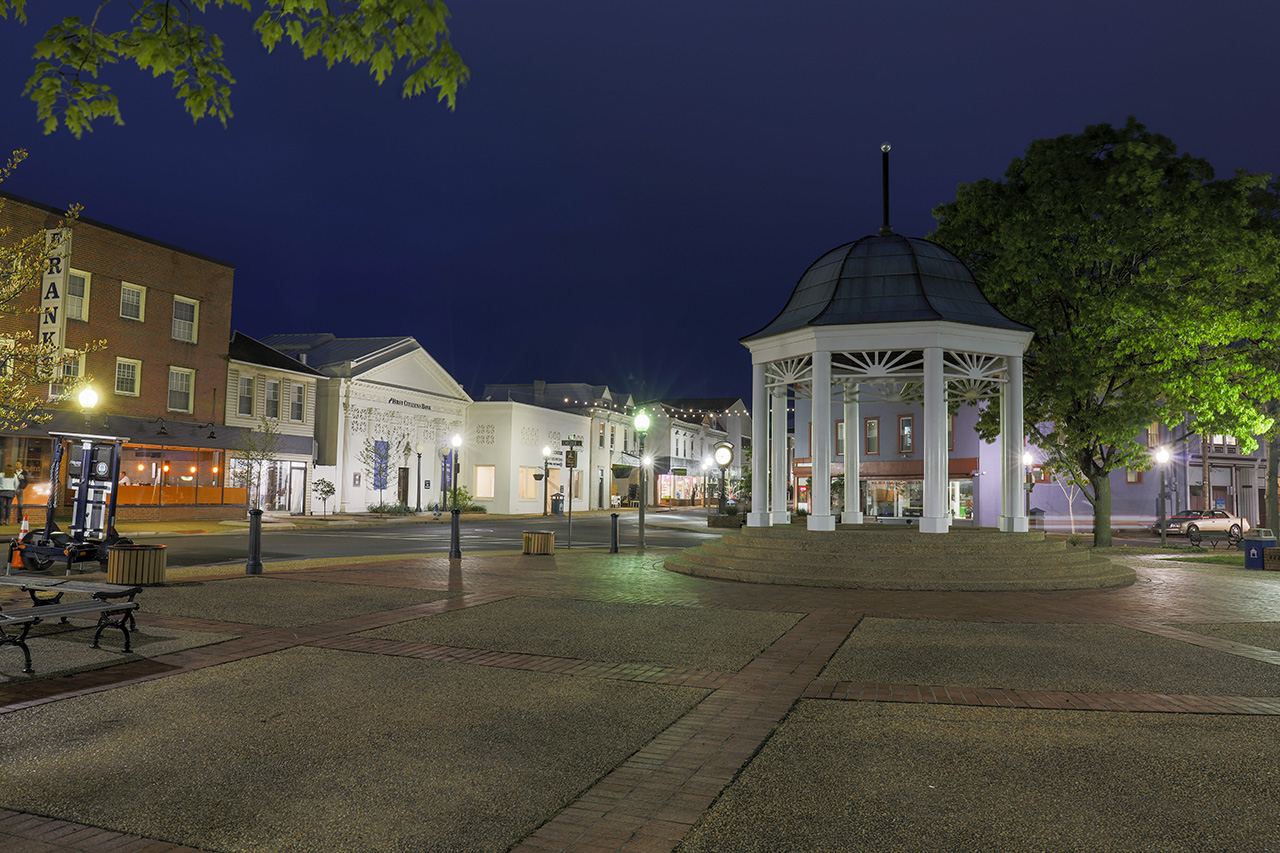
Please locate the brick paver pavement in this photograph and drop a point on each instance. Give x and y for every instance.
(650, 800)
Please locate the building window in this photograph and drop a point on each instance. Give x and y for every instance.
(1131, 476)
(613, 434)
(297, 407)
(871, 436)
(68, 372)
(181, 381)
(602, 435)
(128, 372)
(133, 301)
(486, 478)
(77, 303)
(530, 486)
(839, 438)
(186, 317)
(244, 405)
(906, 434)
(1153, 435)
(273, 398)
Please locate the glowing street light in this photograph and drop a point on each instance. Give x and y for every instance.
(642, 423)
(1162, 459)
(724, 458)
(88, 399)
(546, 478)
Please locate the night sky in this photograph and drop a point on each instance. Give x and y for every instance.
(625, 189)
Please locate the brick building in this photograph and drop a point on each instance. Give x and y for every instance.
(163, 314)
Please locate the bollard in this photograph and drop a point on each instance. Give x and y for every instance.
(613, 546)
(455, 538)
(254, 566)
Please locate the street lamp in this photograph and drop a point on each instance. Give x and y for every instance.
(642, 426)
(546, 478)
(1162, 458)
(88, 399)
(1027, 460)
(417, 448)
(724, 458)
(456, 441)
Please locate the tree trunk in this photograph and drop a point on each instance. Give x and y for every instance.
(1206, 488)
(1101, 484)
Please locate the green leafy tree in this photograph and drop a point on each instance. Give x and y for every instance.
(26, 365)
(1138, 272)
(375, 457)
(324, 491)
(168, 39)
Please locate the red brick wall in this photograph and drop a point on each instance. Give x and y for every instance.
(111, 257)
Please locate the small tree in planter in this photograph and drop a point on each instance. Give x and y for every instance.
(324, 491)
(375, 456)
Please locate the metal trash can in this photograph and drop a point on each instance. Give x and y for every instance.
(136, 565)
(539, 542)
(1254, 544)
(557, 504)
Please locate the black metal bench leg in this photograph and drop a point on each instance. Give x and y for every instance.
(21, 642)
(104, 621)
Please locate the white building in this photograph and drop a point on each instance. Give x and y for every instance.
(385, 413)
(265, 386)
(502, 458)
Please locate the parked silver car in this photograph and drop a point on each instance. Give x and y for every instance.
(1193, 522)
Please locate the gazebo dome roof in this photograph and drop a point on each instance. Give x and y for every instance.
(886, 278)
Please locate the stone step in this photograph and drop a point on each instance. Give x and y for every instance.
(942, 544)
(871, 557)
(1095, 575)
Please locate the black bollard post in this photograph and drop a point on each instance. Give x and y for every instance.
(254, 566)
(455, 537)
(613, 546)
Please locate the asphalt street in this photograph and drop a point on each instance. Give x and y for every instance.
(432, 537)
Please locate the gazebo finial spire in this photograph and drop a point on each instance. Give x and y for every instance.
(885, 229)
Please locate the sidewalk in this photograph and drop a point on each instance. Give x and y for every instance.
(594, 702)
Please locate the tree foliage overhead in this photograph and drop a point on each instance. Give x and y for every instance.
(1147, 283)
(166, 38)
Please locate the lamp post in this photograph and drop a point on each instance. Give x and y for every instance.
(1027, 459)
(417, 448)
(546, 478)
(642, 426)
(88, 399)
(724, 458)
(456, 441)
(1162, 457)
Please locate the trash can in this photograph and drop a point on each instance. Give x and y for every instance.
(136, 565)
(557, 504)
(1271, 559)
(539, 542)
(1254, 544)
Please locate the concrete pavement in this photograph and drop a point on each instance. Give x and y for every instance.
(593, 702)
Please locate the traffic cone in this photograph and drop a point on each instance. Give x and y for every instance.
(25, 529)
(15, 557)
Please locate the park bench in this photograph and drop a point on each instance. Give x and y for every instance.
(113, 604)
(1214, 538)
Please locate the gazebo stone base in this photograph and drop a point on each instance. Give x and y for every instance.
(873, 556)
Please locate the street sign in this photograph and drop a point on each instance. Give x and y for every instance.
(571, 458)
(571, 442)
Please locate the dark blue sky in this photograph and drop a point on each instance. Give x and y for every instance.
(626, 189)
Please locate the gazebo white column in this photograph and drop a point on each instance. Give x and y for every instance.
(759, 515)
(852, 450)
(936, 517)
(1013, 512)
(820, 517)
(778, 453)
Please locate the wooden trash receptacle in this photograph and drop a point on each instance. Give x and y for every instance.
(539, 542)
(136, 565)
(1271, 559)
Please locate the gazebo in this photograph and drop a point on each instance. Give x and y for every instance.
(883, 318)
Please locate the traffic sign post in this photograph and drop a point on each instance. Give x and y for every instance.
(570, 462)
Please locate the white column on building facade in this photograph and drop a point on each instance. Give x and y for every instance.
(820, 517)
(852, 452)
(759, 515)
(781, 476)
(1013, 512)
(936, 518)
